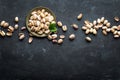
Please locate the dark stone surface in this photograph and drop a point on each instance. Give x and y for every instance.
(73, 60)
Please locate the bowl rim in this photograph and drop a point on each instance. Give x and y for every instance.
(28, 16)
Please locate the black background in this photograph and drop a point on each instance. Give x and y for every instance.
(73, 60)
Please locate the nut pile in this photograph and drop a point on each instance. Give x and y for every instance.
(55, 39)
(7, 29)
(39, 21)
(100, 23)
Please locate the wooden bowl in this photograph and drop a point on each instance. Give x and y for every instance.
(28, 16)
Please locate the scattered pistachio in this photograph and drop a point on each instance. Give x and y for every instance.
(6, 24)
(60, 41)
(94, 31)
(108, 24)
(2, 33)
(115, 32)
(10, 29)
(79, 17)
(62, 36)
(104, 27)
(54, 41)
(54, 36)
(112, 30)
(2, 23)
(94, 22)
(84, 28)
(23, 28)
(104, 32)
(87, 31)
(116, 36)
(72, 36)
(98, 21)
(64, 28)
(88, 39)
(30, 39)
(59, 23)
(108, 29)
(16, 26)
(105, 22)
(116, 19)
(16, 19)
(9, 34)
(102, 19)
(49, 37)
(21, 36)
(75, 26)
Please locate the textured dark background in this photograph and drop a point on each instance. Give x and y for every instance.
(73, 60)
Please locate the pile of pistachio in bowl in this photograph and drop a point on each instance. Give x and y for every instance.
(40, 22)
